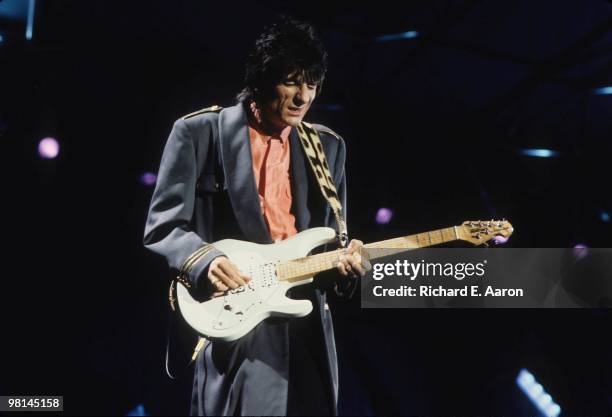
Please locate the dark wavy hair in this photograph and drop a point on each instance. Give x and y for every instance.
(285, 47)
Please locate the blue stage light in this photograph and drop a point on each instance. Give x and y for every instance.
(138, 411)
(552, 410)
(603, 90)
(539, 153)
(1, 38)
(397, 36)
(604, 216)
(14, 9)
(536, 394)
(30, 22)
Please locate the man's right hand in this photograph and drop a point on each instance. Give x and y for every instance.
(224, 275)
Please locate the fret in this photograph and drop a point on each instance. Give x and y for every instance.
(411, 241)
(424, 240)
(433, 238)
(448, 234)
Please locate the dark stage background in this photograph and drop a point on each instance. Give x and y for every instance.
(434, 124)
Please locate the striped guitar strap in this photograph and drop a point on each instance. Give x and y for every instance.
(311, 143)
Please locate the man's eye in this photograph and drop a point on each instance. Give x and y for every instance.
(289, 82)
(312, 86)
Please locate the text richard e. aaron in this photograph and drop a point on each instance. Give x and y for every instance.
(435, 271)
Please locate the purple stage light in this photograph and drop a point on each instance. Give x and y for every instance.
(500, 240)
(580, 251)
(48, 148)
(384, 215)
(148, 179)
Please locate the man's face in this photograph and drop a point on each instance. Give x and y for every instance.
(289, 103)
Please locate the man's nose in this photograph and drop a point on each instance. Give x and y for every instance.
(303, 95)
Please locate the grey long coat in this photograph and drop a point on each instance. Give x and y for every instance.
(206, 192)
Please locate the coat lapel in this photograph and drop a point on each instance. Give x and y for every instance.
(238, 169)
(299, 183)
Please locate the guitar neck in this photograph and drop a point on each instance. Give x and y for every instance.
(303, 268)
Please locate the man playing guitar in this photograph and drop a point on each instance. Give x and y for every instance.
(240, 172)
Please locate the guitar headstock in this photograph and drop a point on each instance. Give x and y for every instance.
(479, 232)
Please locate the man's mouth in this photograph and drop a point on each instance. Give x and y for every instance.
(294, 111)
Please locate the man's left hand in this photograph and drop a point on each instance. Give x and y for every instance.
(350, 263)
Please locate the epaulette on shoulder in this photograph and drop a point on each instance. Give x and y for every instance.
(214, 108)
(328, 131)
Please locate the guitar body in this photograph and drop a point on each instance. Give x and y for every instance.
(238, 311)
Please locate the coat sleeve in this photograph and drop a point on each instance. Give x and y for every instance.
(344, 286)
(169, 226)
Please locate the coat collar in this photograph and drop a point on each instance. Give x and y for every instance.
(299, 183)
(238, 172)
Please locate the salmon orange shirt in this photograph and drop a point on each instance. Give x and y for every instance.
(271, 158)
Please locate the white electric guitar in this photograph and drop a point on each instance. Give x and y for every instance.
(275, 268)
